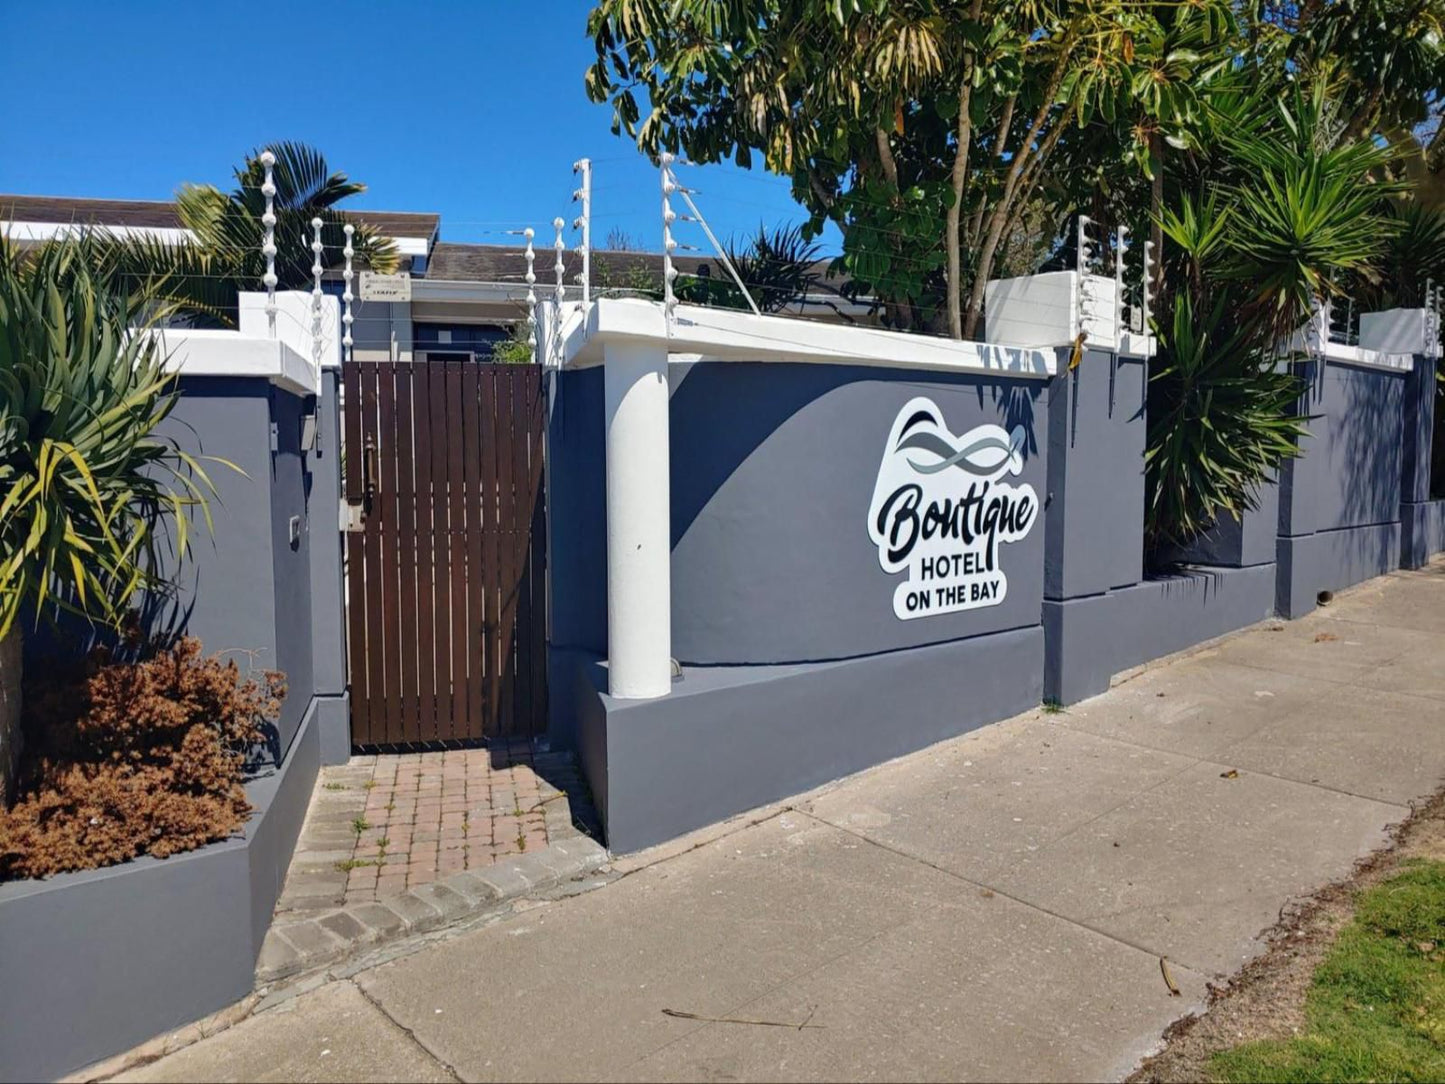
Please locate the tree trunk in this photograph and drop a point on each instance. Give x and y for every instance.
(955, 212)
(1000, 216)
(10, 740)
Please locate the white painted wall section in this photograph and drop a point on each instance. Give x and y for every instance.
(639, 557)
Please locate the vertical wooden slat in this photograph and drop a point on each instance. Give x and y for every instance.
(489, 578)
(537, 566)
(521, 537)
(426, 554)
(376, 632)
(387, 543)
(355, 559)
(472, 463)
(441, 552)
(405, 532)
(507, 570)
(457, 547)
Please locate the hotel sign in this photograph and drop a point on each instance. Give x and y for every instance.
(943, 507)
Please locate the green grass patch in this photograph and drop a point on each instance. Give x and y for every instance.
(1375, 1009)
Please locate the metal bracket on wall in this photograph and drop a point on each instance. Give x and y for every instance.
(275, 438)
(353, 515)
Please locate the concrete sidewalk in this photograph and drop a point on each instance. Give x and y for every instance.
(995, 907)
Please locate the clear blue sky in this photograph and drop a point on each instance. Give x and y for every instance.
(473, 109)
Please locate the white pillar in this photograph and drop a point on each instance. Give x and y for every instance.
(639, 560)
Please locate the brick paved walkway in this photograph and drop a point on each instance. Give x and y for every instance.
(382, 824)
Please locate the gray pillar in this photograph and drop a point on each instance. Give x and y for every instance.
(1420, 518)
(1093, 518)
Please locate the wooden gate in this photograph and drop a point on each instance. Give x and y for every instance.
(445, 580)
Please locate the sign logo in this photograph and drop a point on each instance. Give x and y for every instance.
(941, 508)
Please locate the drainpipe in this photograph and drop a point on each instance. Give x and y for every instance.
(639, 561)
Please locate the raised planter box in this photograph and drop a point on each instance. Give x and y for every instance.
(95, 962)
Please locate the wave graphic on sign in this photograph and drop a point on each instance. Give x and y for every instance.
(984, 456)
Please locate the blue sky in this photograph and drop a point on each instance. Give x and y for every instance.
(473, 110)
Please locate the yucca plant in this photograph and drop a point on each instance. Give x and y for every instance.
(86, 485)
(1245, 259)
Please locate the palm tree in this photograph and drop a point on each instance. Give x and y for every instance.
(201, 279)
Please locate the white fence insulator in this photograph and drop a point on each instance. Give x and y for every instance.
(1083, 265)
(583, 222)
(268, 237)
(347, 297)
(1146, 300)
(531, 280)
(669, 245)
(316, 295)
(1121, 244)
(559, 292)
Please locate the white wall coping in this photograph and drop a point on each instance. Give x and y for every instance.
(1358, 356)
(727, 335)
(206, 352)
(1365, 358)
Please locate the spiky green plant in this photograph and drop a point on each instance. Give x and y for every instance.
(1300, 211)
(86, 485)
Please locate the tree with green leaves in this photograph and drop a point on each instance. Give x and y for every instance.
(921, 128)
(201, 278)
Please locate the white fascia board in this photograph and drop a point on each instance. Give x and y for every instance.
(411, 246)
(229, 353)
(50, 231)
(424, 289)
(726, 335)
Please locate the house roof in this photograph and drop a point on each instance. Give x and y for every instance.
(455, 262)
(161, 214)
(508, 263)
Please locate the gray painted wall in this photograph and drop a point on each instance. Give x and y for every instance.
(773, 469)
(1339, 514)
(729, 738)
(96, 962)
(149, 945)
(1095, 497)
(328, 612)
(1348, 473)
(245, 589)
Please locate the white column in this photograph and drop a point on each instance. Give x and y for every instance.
(639, 560)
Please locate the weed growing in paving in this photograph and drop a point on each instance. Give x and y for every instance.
(1053, 707)
(350, 864)
(333, 786)
(1376, 1006)
(359, 824)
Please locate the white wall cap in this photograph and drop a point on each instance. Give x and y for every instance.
(293, 322)
(728, 335)
(229, 353)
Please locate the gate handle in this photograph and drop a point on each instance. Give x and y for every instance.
(369, 471)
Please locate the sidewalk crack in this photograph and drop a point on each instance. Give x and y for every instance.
(408, 1032)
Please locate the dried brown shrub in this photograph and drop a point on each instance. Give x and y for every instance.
(132, 758)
